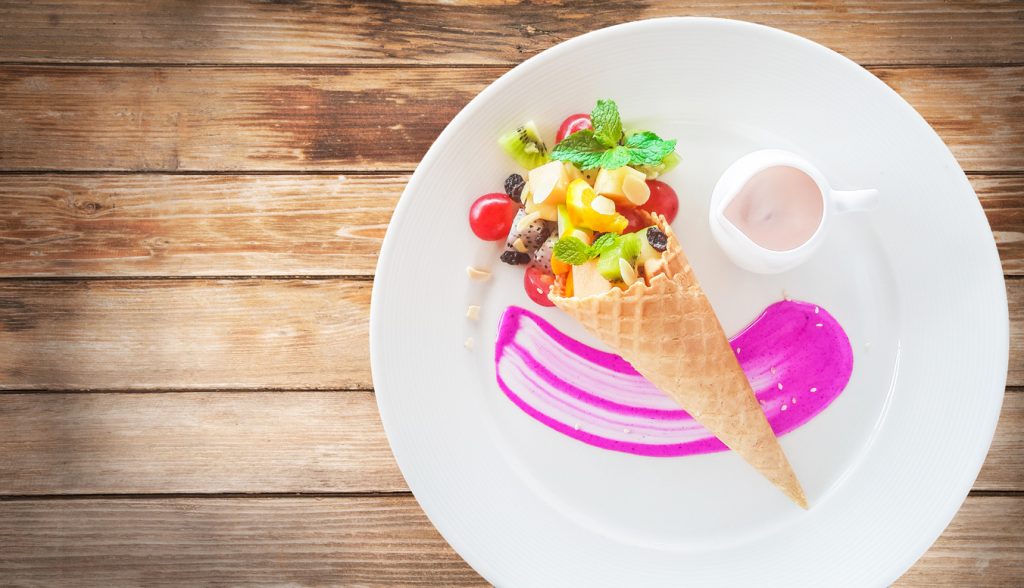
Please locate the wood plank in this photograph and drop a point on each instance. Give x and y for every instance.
(1015, 301)
(983, 546)
(238, 225)
(172, 225)
(184, 334)
(230, 118)
(252, 442)
(929, 32)
(167, 119)
(225, 334)
(218, 541)
(337, 541)
(951, 99)
(1002, 197)
(1004, 466)
(202, 442)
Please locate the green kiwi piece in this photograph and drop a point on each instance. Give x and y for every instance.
(525, 146)
(626, 247)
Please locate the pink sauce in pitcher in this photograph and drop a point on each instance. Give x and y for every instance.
(779, 208)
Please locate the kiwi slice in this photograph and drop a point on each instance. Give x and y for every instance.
(627, 247)
(667, 164)
(525, 146)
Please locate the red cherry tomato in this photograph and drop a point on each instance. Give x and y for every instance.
(491, 216)
(635, 221)
(575, 122)
(537, 283)
(663, 200)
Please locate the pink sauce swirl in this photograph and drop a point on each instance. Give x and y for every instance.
(797, 357)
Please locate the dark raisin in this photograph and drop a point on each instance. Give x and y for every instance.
(514, 187)
(657, 239)
(514, 257)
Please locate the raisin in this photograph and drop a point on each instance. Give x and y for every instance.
(514, 187)
(657, 239)
(514, 257)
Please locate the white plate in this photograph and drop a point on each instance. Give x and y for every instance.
(917, 284)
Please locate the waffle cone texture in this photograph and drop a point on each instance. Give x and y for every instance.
(670, 334)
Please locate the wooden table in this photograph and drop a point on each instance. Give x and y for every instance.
(192, 197)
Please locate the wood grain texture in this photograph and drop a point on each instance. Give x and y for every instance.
(195, 442)
(255, 442)
(182, 334)
(225, 334)
(167, 119)
(1004, 466)
(171, 225)
(471, 32)
(981, 547)
(292, 119)
(1015, 302)
(239, 225)
(948, 98)
(226, 542)
(352, 541)
(1002, 197)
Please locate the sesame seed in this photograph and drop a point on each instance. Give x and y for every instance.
(815, 310)
(814, 389)
(780, 385)
(792, 400)
(784, 407)
(576, 426)
(738, 349)
(819, 325)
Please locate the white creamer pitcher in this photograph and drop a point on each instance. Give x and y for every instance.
(740, 247)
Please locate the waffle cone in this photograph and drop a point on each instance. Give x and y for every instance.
(670, 334)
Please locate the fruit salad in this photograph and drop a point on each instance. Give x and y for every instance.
(579, 211)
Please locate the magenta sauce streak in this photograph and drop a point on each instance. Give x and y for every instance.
(797, 357)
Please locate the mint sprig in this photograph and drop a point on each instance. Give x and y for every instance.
(580, 148)
(604, 145)
(646, 148)
(575, 252)
(606, 122)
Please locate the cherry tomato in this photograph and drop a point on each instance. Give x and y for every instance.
(491, 216)
(575, 122)
(537, 283)
(663, 200)
(635, 221)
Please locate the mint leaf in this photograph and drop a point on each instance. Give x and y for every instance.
(646, 148)
(615, 157)
(572, 251)
(589, 149)
(607, 124)
(580, 148)
(603, 243)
